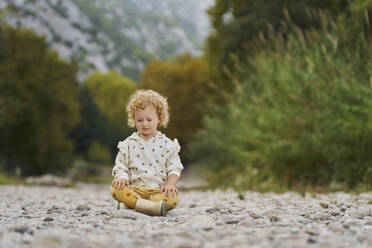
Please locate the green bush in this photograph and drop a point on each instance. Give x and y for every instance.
(6, 179)
(98, 153)
(38, 104)
(301, 116)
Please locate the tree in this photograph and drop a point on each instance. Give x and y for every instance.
(187, 85)
(111, 92)
(301, 116)
(38, 104)
(237, 23)
(93, 126)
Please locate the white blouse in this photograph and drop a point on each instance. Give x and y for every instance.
(147, 163)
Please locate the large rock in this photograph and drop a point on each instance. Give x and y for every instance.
(49, 180)
(201, 222)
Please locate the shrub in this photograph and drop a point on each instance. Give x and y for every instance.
(302, 115)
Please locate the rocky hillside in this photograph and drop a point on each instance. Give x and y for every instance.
(114, 34)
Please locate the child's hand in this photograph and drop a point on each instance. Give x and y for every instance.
(119, 183)
(168, 189)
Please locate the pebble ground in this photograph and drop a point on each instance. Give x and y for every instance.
(86, 216)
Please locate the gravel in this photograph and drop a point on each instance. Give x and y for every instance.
(86, 216)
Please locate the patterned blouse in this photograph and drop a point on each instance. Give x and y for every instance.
(147, 163)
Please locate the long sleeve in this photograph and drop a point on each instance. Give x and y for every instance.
(173, 163)
(120, 169)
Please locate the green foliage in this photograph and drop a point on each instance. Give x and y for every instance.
(98, 153)
(111, 92)
(94, 126)
(358, 5)
(38, 105)
(6, 179)
(186, 83)
(236, 23)
(302, 114)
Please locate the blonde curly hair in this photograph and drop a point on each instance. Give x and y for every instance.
(143, 98)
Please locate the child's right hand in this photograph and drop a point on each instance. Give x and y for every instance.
(119, 183)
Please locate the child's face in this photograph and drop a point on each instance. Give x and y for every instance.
(147, 121)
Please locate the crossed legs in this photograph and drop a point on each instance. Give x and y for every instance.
(129, 195)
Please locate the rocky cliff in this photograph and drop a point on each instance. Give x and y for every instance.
(113, 34)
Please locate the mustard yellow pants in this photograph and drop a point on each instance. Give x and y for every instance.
(129, 195)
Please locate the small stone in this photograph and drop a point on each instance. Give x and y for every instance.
(85, 227)
(311, 241)
(335, 227)
(254, 215)
(324, 205)
(294, 230)
(103, 212)
(335, 213)
(212, 210)
(349, 223)
(346, 225)
(21, 229)
(201, 222)
(311, 232)
(49, 180)
(48, 219)
(232, 222)
(192, 205)
(274, 218)
(55, 209)
(357, 214)
(48, 238)
(82, 207)
(224, 211)
(124, 214)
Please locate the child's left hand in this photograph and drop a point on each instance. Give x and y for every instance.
(168, 189)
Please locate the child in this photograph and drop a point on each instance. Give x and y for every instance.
(147, 166)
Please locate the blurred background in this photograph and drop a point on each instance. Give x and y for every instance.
(264, 95)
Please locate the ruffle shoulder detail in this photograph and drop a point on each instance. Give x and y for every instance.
(173, 146)
(124, 148)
